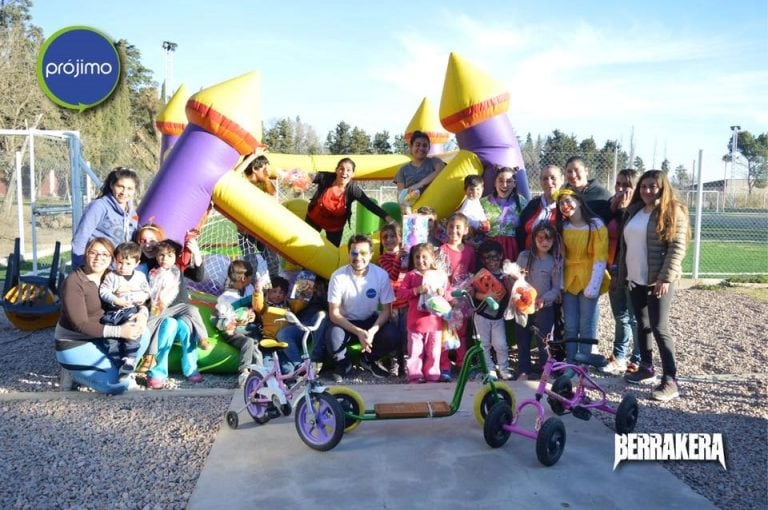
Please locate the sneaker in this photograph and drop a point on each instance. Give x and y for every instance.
(153, 383)
(643, 374)
(394, 370)
(374, 367)
(614, 366)
(422, 380)
(340, 372)
(195, 378)
(242, 378)
(130, 382)
(505, 375)
(317, 367)
(492, 374)
(522, 377)
(66, 383)
(632, 367)
(445, 376)
(667, 390)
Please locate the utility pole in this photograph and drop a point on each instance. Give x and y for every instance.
(170, 50)
(734, 151)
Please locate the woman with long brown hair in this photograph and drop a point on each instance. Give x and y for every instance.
(652, 249)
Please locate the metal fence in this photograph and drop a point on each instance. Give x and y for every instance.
(732, 239)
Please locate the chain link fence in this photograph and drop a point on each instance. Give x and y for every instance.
(732, 240)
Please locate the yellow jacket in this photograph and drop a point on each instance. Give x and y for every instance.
(270, 313)
(582, 248)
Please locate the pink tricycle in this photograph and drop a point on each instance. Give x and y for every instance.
(562, 398)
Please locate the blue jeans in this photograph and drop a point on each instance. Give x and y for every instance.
(625, 331)
(581, 319)
(89, 365)
(174, 329)
(290, 357)
(544, 319)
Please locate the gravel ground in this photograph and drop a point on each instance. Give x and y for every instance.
(146, 450)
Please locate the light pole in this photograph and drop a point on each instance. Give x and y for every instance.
(170, 49)
(734, 151)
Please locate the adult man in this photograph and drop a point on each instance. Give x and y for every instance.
(596, 197)
(360, 303)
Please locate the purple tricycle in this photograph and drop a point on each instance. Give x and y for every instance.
(562, 398)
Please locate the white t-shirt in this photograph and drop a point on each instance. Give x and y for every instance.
(473, 210)
(360, 296)
(636, 238)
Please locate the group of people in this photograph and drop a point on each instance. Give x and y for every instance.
(125, 302)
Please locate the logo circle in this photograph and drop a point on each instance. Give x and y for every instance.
(78, 67)
(370, 293)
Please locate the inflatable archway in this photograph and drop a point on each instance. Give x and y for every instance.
(225, 125)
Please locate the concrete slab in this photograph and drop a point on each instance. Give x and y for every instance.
(439, 463)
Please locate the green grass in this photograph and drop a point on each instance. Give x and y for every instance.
(719, 258)
(43, 264)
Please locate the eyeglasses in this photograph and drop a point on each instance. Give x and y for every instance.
(100, 254)
(359, 253)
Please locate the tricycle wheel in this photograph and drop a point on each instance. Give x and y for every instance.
(232, 419)
(351, 403)
(563, 387)
(550, 442)
(626, 415)
(257, 410)
(494, 432)
(319, 422)
(485, 400)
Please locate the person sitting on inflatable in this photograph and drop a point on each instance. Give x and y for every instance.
(81, 346)
(414, 177)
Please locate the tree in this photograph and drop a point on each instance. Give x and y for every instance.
(755, 152)
(280, 137)
(665, 166)
(638, 165)
(361, 142)
(381, 143)
(531, 155)
(339, 141)
(681, 177)
(400, 146)
(558, 148)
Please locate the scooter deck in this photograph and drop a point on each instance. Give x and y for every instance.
(412, 410)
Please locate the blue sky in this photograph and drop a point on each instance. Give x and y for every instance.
(680, 73)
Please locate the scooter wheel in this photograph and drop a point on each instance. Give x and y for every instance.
(233, 420)
(351, 403)
(485, 400)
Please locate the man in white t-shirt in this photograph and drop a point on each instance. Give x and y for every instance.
(360, 300)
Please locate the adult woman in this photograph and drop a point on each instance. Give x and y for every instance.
(331, 205)
(81, 348)
(502, 209)
(416, 175)
(585, 251)
(164, 330)
(541, 208)
(595, 196)
(625, 331)
(112, 215)
(652, 250)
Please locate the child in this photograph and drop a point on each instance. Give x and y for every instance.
(424, 328)
(168, 298)
(460, 263)
(490, 324)
(473, 209)
(436, 233)
(585, 250)
(124, 293)
(233, 315)
(394, 260)
(542, 266)
(270, 305)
